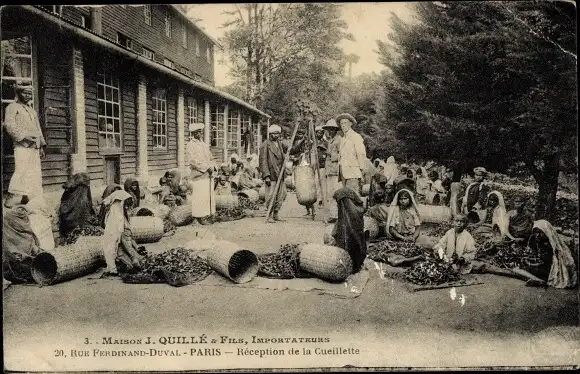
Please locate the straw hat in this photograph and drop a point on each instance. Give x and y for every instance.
(330, 124)
(196, 126)
(346, 116)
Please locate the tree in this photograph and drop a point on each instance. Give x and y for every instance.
(486, 83)
(351, 59)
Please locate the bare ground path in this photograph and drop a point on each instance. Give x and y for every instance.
(501, 323)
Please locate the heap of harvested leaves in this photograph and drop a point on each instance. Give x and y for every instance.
(283, 264)
(245, 203)
(511, 255)
(432, 271)
(235, 212)
(74, 235)
(177, 266)
(436, 230)
(378, 251)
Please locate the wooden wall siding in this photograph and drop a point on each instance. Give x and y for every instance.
(55, 167)
(74, 13)
(128, 86)
(130, 22)
(162, 159)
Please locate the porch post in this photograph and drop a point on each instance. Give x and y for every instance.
(180, 130)
(226, 113)
(79, 158)
(207, 123)
(142, 163)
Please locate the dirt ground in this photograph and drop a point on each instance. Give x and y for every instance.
(501, 323)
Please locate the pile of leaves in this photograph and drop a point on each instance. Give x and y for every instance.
(432, 271)
(245, 203)
(73, 236)
(283, 264)
(508, 255)
(223, 214)
(379, 251)
(177, 266)
(168, 225)
(436, 230)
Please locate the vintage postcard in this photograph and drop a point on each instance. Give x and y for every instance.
(290, 186)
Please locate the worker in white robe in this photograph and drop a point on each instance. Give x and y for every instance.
(202, 171)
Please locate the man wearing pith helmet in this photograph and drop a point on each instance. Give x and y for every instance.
(272, 152)
(331, 168)
(202, 169)
(352, 153)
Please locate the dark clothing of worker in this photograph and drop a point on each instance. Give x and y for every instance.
(76, 204)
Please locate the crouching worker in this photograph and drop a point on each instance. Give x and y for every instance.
(118, 244)
(457, 246)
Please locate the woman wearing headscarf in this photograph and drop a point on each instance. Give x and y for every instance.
(404, 221)
(494, 217)
(117, 239)
(76, 204)
(348, 232)
(173, 178)
(391, 170)
(421, 182)
(132, 188)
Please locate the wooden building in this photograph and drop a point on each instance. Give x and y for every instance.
(116, 88)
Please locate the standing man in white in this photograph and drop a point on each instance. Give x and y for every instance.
(202, 170)
(21, 123)
(352, 154)
(331, 166)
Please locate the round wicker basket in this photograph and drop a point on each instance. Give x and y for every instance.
(233, 262)
(226, 201)
(304, 177)
(146, 229)
(68, 262)
(181, 215)
(252, 195)
(434, 213)
(371, 226)
(258, 182)
(366, 188)
(326, 262)
(143, 211)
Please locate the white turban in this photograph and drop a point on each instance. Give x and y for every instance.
(274, 128)
(196, 126)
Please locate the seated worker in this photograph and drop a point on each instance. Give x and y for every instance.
(76, 204)
(173, 178)
(435, 190)
(165, 195)
(246, 180)
(403, 221)
(494, 217)
(521, 221)
(421, 182)
(457, 245)
(132, 188)
(377, 185)
(223, 187)
(406, 181)
(476, 193)
(233, 164)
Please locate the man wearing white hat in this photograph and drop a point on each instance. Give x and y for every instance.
(21, 123)
(331, 168)
(202, 169)
(352, 153)
(272, 152)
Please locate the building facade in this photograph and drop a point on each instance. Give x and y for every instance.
(115, 88)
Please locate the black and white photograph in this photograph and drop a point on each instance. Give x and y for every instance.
(284, 187)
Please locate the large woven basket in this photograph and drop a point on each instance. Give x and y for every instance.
(289, 182)
(146, 229)
(434, 213)
(226, 201)
(258, 182)
(371, 226)
(230, 260)
(326, 262)
(476, 216)
(262, 192)
(252, 195)
(143, 211)
(68, 262)
(305, 180)
(181, 215)
(366, 188)
(327, 238)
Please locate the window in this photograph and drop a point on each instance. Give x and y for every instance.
(168, 63)
(167, 23)
(233, 128)
(195, 112)
(196, 45)
(208, 53)
(184, 35)
(147, 53)
(109, 115)
(83, 21)
(124, 41)
(159, 119)
(217, 134)
(147, 14)
(16, 68)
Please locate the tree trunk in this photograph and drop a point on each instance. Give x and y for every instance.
(547, 179)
